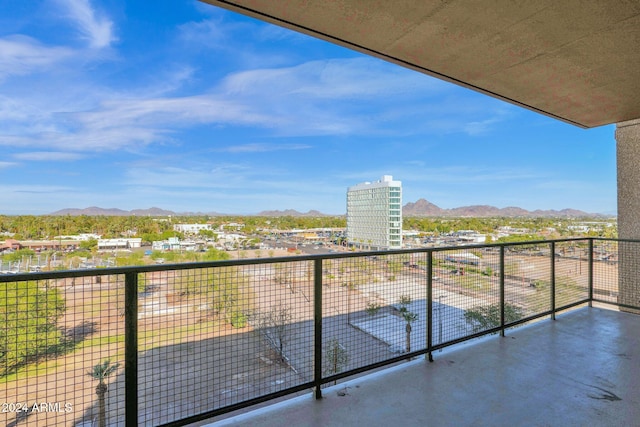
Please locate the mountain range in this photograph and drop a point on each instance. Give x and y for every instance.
(420, 208)
(423, 207)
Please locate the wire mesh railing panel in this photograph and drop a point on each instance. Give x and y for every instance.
(367, 304)
(214, 337)
(527, 281)
(283, 321)
(466, 292)
(63, 351)
(572, 271)
(605, 270)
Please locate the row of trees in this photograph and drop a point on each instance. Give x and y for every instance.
(28, 227)
(150, 228)
(538, 227)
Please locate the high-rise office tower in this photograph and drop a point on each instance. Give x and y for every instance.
(374, 214)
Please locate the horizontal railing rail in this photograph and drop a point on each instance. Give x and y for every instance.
(180, 343)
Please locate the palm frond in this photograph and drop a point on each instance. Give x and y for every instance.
(103, 370)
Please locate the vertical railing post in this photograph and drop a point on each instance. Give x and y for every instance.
(430, 305)
(131, 348)
(502, 290)
(552, 248)
(317, 329)
(590, 272)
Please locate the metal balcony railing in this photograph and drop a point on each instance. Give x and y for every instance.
(175, 344)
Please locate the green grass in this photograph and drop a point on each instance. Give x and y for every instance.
(32, 370)
(99, 341)
(169, 336)
(146, 340)
(47, 366)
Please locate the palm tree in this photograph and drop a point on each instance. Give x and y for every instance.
(408, 317)
(100, 372)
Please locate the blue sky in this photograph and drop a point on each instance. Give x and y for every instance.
(191, 108)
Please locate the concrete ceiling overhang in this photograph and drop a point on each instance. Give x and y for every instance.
(575, 60)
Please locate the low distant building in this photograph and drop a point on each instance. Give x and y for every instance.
(473, 238)
(115, 244)
(192, 228)
(10, 245)
(175, 244)
(507, 230)
(230, 237)
(579, 228)
(40, 245)
(88, 236)
(463, 258)
(232, 226)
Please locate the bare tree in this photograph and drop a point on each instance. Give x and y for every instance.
(335, 357)
(274, 326)
(284, 275)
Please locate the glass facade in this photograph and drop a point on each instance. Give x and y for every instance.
(374, 214)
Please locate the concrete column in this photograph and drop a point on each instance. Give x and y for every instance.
(628, 157)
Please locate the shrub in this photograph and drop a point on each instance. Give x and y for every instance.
(372, 308)
(486, 317)
(238, 320)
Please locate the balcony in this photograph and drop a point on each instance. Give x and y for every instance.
(578, 371)
(199, 342)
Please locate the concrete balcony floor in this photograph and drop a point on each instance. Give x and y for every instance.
(581, 370)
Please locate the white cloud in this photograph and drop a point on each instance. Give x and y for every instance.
(350, 78)
(4, 165)
(210, 32)
(48, 156)
(261, 148)
(415, 172)
(492, 117)
(126, 123)
(169, 81)
(21, 55)
(36, 199)
(96, 28)
(474, 175)
(222, 176)
(227, 176)
(335, 97)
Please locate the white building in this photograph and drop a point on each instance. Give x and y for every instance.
(374, 214)
(191, 228)
(89, 236)
(108, 244)
(175, 244)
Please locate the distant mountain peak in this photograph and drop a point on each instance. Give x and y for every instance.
(96, 211)
(419, 208)
(423, 207)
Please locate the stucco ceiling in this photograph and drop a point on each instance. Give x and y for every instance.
(575, 60)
